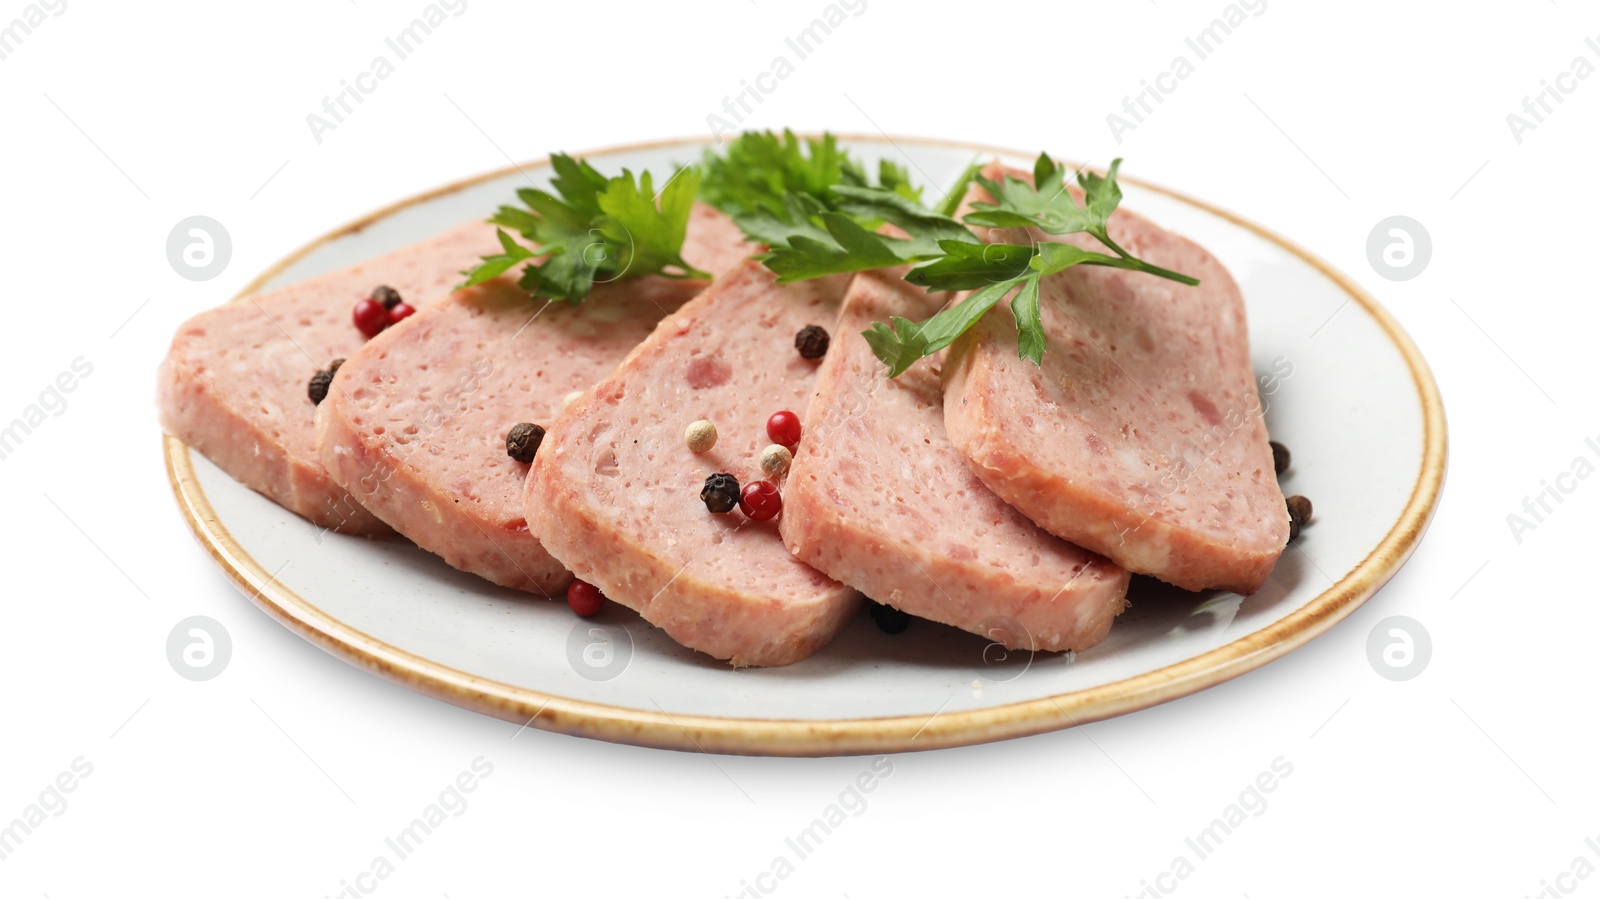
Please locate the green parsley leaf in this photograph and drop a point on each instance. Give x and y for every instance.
(1049, 206)
(779, 190)
(812, 206)
(760, 170)
(1030, 327)
(495, 266)
(802, 215)
(895, 178)
(578, 183)
(926, 228)
(1051, 257)
(958, 191)
(844, 247)
(898, 344)
(993, 271)
(651, 239)
(594, 229)
(907, 341)
(852, 242)
(971, 265)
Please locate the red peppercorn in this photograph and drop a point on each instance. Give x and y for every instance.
(584, 598)
(399, 312)
(370, 317)
(760, 500)
(783, 428)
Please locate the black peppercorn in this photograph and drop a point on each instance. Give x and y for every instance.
(523, 441)
(1299, 514)
(890, 620)
(721, 493)
(1280, 457)
(317, 390)
(812, 342)
(386, 295)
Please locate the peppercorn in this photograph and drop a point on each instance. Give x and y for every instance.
(317, 390)
(760, 501)
(369, 317)
(812, 342)
(890, 620)
(386, 295)
(400, 312)
(333, 367)
(1299, 514)
(775, 460)
(523, 441)
(701, 436)
(1280, 456)
(584, 598)
(721, 493)
(783, 428)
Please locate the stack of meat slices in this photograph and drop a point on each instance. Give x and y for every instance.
(977, 490)
(614, 493)
(415, 426)
(1141, 435)
(879, 498)
(233, 384)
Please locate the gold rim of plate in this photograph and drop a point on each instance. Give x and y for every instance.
(804, 737)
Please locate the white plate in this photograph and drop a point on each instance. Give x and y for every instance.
(1369, 449)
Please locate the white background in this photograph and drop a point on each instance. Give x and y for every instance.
(282, 776)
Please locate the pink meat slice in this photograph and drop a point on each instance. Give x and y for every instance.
(615, 492)
(1141, 435)
(415, 424)
(713, 243)
(233, 384)
(879, 499)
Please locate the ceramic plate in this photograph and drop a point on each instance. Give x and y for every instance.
(1369, 449)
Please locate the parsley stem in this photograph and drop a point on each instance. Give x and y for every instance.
(1103, 235)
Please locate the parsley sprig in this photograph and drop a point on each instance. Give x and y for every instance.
(814, 206)
(819, 214)
(593, 229)
(1053, 210)
(994, 271)
(761, 175)
(811, 236)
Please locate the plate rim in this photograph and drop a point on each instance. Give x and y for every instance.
(844, 736)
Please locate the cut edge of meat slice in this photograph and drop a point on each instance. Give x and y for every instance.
(695, 612)
(233, 383)
(370, 464)
(704, 608)
(506, 557)
(878, 529)
(191, 411)
(415, 422)
(1142, 541)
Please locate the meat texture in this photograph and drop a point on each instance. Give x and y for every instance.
(233, 384)
(615, 492)
(878, 498)
(415, 424)
(1141, 436)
